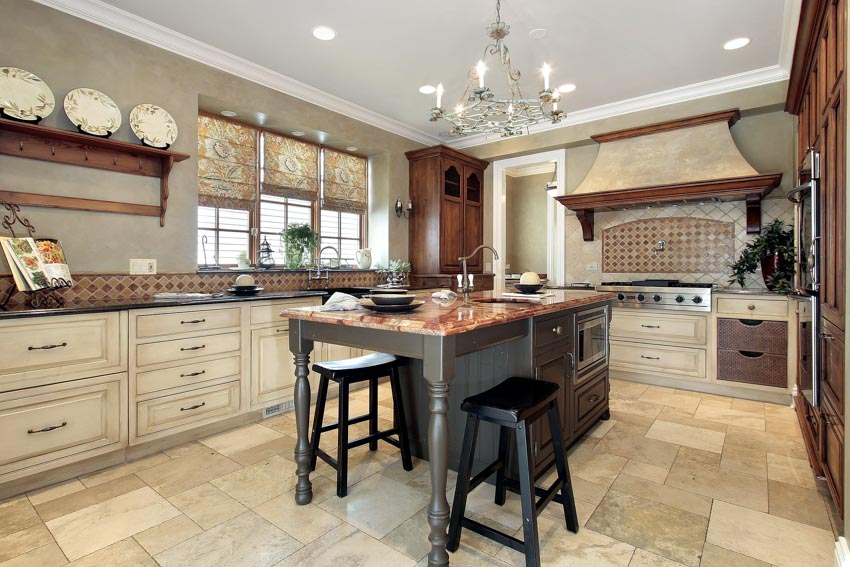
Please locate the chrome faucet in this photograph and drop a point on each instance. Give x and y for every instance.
(327, 276)
(466, 287)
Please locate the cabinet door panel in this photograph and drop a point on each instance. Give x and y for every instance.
(473, 218)
(272, 366)
(554, 368)
(834, 206)
(451, 235)
(832, 373)
(832, 449)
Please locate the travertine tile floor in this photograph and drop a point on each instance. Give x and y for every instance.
(674, 478)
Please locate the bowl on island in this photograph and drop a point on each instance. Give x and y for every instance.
(528, 288)
(392, 298)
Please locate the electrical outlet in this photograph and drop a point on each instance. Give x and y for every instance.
(488, 267)
(592, 267)
(142, 266)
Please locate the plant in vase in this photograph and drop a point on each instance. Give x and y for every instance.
(395, 271)
(299, 244)
(242, 261)
(773, 250)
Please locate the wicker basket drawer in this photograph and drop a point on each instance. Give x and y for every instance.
(752, 335)
(752, 368)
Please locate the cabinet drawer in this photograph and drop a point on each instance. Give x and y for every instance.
(753, 335)
(657, 327)
(187, 374)
(269, 312)
(188, 407)
(682, 361)
(552, 331)
(747, 307)
(59, 346)
(160, 324)
(752, 368)
(47, 424)
(183, 349)
(590, 399)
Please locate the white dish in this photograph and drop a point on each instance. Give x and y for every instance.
(92, 112)
(24, 96)
(153, 125)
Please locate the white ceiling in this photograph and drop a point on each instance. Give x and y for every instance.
(613, 50)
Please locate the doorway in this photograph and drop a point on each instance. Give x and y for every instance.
(517, 168)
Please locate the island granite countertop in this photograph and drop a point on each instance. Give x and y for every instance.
(454, 317)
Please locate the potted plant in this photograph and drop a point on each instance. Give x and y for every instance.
(773, 250)
(299, 242)
(395, 271)
(242, 261)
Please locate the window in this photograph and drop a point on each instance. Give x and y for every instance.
(253, 183)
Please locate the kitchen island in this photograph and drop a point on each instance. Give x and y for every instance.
(536, 338)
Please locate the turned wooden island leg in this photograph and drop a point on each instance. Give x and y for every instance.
(438, 368)
(301, 348)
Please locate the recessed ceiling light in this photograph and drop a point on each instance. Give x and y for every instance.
(297, 133)
(538, 33)
(736, 43)
(351, 148)
(228, 113)
(567, 88)
(324, 33)
(427, 89)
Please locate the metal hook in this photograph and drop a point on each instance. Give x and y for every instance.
(21, 144)
(87, 156)
(53, 150)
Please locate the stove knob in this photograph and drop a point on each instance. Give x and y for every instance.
(621, 297)
(697, 299)
(656, 298)
(679, 299)
(641, 297)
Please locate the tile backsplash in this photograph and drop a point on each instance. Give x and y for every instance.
(627, 253)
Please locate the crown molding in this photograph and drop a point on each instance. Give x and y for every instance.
(790, 21)
(748, 79)
(532, 169)
(115, 19)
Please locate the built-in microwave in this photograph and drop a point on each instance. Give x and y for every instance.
(591, 342)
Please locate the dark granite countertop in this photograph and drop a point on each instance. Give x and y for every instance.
(99, 306)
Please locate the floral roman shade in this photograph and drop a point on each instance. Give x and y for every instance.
(290, 168)
(227, 164)
(345, 187)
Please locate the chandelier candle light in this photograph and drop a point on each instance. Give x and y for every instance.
(506, 116)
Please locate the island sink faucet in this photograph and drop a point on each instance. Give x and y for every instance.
(466, 287)
(327, 276)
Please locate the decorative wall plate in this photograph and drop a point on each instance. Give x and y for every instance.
(153, 125)
(24, 96)
(92, 112)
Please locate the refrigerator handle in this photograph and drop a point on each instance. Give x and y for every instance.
(814, 252)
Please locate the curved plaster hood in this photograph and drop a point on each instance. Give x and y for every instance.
(681, 161)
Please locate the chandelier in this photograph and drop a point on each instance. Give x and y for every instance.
(479, 111)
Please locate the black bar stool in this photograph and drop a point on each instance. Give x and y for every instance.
(511, 405)
(346, 372)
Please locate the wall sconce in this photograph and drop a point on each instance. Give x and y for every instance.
(401, 211)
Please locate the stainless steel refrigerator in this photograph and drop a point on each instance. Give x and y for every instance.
(807, 234)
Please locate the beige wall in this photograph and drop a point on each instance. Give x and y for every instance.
(526, 223)
(67, 53)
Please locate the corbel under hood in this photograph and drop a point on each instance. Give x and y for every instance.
(681, 161)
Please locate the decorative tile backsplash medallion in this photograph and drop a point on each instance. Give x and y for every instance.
(92, 287)
(581, 255)
(691, 245)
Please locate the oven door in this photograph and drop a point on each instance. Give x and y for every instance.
(591, 342)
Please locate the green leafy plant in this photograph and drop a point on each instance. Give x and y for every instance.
(394, 266)
(299, 242)
(773, 250)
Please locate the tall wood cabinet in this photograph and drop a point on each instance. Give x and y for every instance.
(447, 190)
(817, 94)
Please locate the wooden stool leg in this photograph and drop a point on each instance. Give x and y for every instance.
(527, 495)
(504, 445)
(342, 442)
(400, 420)
(318, 417)
(373, 412)
(470, 437)
(567, 498)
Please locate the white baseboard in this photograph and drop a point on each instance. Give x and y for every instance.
(842, 553)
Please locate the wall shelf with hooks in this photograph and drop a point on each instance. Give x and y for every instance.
(31, 141)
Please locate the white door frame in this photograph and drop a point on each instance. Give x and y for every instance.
(555, 225)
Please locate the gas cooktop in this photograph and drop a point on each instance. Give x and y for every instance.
(661, 294)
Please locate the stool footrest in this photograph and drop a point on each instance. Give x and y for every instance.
(332, 426)
(327, 458)
(546, 494)
(496, 535)
(475, 481)
(379, 436)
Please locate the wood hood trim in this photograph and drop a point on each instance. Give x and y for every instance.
(729, 116)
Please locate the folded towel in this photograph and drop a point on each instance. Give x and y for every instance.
(444, 295)
(341, 302)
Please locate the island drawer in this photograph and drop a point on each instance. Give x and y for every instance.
(187, 408)
(747, 307)
(589, 399)
(657, 327)
(184, 349)
(58, 347)
(160, 324)
(268, 312)
(683, 361)
(553, 330)
(186, 374)
(753, 335)
(53, 422)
